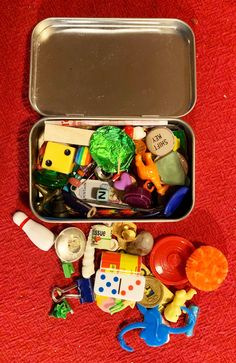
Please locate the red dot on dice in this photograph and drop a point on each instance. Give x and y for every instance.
(138, 282)
(130, 287)
(123, 292)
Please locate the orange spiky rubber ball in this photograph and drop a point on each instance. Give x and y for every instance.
(206, 268)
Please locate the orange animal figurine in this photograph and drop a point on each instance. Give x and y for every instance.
(149, 172)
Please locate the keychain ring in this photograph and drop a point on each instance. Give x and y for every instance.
(62, 294)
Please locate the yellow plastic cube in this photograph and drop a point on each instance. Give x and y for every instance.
(59, 157)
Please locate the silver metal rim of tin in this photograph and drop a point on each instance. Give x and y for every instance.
(70, 244)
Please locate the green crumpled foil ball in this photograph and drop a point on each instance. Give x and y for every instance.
(111, 147)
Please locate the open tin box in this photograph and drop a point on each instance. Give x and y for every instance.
(113, 72)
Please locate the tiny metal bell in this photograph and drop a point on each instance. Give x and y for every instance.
(59, 209)
(70, 244)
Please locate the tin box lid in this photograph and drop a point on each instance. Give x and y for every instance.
(112, 67)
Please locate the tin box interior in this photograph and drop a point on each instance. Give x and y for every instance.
(113, 71)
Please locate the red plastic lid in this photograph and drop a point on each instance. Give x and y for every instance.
(168, 259)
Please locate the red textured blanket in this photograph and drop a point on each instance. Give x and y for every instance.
(27, 274)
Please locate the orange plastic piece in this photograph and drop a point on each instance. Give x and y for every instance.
(140, 147)
(149, 172)
(206, 268)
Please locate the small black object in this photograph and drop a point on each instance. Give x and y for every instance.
(76, 204)
(58, 207)
(67, 152)
(48, 162)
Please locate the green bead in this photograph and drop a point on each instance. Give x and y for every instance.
(50, 178)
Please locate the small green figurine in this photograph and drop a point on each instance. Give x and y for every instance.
(61, 310)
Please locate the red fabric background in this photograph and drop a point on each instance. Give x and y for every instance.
(27, 274)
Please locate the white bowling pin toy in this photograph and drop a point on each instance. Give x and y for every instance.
(41, 236)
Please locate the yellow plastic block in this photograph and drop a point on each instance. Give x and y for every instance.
(59, 157)
(130, 263)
